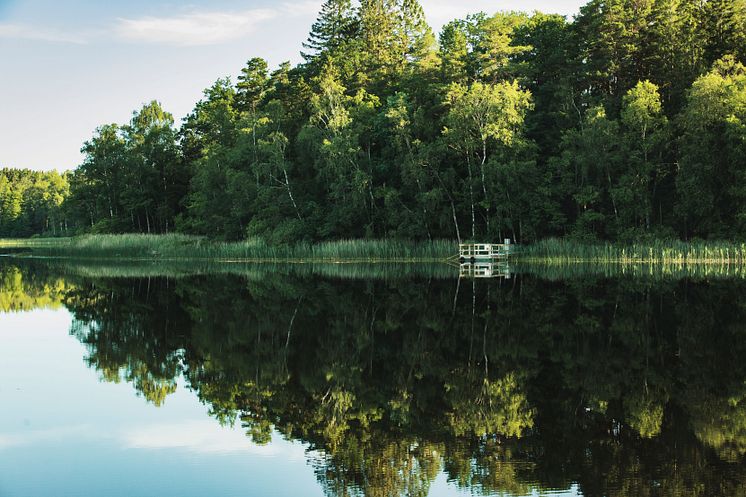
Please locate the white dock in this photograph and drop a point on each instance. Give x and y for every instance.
(474, 252)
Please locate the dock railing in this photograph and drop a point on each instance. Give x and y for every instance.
(468, 251)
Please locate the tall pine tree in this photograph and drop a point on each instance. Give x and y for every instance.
(335, 24)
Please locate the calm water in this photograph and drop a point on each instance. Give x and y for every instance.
(369, 380)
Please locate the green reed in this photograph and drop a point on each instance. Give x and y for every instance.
(669, 253)
(177, 246)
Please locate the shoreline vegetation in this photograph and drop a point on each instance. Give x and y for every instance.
(659, 252)
(129, 247)
(551, 252)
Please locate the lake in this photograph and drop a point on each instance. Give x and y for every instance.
(180, 379)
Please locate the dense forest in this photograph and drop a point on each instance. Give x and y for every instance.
(31, 202)
(628, 121)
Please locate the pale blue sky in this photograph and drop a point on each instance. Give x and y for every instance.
(68, 66)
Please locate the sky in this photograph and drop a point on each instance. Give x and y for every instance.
(67, 67)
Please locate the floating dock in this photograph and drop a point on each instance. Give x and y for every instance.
(485, 252)
(485, 260)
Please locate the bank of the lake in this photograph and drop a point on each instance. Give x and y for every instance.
(666, 252)
(179, 246)
(134, 247)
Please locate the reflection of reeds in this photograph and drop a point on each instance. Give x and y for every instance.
(374, 271)
(387, 271)
(660, 271)
(252, 271)
(175, 246)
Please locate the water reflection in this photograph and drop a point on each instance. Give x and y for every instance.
(485, 269)
(620, 386)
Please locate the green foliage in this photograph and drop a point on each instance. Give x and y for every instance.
(21, 292)
(713, 151)
(334, 26)
(31, 203)
(656, 252)
(132, 178)
(623, 123)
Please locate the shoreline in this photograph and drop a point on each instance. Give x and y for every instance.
(186, 248)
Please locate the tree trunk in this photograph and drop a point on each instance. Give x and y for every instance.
(484, 183)
(455, 221)
(290, 193)
(471, 200)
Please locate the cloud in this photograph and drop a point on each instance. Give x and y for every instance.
(31, 437)
(28, 32)
(440, 12)
(205, 436)
(302, 7)
(199, 28)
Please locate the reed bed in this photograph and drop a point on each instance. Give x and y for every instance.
(185, 247)
(668, 253)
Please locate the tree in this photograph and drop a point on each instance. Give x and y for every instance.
(547, 68)
(395, 37)
(673, 49)
(710, 176)
(611, 47)
(157, 180)
(252, 86)
(348, 186)
(724, 29)
(494, 47)
(99, 181)
(647, 130)
(334, 25)
(454, 52)
(208, 135)
(589, 167)
(482, 119)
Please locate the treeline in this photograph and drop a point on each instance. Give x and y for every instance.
(31, 202)
(627, 122)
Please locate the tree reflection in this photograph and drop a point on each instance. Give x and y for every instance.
(625, 387)
(24, 290)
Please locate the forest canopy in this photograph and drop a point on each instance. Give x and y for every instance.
(627, 121)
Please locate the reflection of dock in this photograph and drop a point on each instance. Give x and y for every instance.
(485, 269)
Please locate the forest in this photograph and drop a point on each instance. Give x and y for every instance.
(626, 122)
(33, 202)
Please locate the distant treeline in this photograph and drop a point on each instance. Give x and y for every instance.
(628, 122)
(31, 202)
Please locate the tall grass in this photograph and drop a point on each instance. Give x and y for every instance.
(670, 253)
(177, 247)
